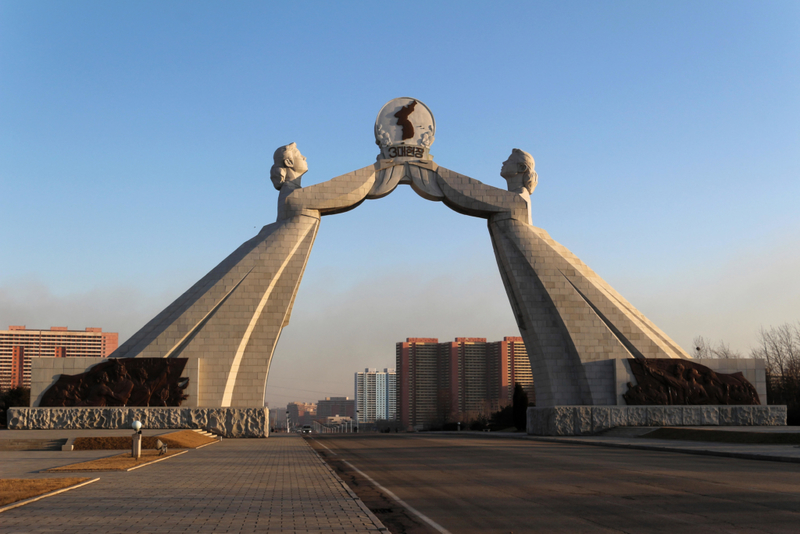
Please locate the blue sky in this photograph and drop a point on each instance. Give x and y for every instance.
(137, 139)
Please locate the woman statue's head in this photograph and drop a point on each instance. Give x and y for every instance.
(518, 170)
(289, 166)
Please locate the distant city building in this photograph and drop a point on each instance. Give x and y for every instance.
(376, 397)
(301, 413)
(437, 382)
(421, 400)
(336, 406)
(278, 418)
(334, 420)
(19, 344)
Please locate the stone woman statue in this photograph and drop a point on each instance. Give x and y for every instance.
(232, 318)
(572, 321)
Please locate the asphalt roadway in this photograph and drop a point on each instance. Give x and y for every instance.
(472, 483)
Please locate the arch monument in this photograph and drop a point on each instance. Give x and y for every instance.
(594, 357)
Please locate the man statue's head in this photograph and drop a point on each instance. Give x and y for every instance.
(518, 171)
(289, 166)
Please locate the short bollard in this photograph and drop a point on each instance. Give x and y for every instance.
(136, 447)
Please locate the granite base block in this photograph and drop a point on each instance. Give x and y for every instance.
(637, 415)
(227, 422)
(581, 420)
(700, 415)
(776, 416)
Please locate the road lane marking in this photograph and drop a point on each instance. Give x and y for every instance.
(400, 501)
(330, 451)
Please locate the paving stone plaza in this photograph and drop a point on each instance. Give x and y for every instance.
(251, 485)
(281, 485)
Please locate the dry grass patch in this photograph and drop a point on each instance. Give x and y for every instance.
(183, 439)
(186, 439)
(19, 489)
(119, 462)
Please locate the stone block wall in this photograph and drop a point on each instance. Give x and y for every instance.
(228, 422)
(601, 377)
(582, 420)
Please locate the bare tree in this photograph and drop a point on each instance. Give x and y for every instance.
(780, 348)
(702, 348)
(705, 348)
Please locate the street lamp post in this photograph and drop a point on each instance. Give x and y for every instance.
(136, 446)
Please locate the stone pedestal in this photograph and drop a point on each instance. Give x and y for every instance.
(227, 422)
(581, 420)
(136, 446)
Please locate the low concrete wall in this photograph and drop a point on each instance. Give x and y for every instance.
(578, 420)
(228, 422)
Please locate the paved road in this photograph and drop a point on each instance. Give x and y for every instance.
(495, 485)
(243, 486)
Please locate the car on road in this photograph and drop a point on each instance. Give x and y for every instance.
(306, 429)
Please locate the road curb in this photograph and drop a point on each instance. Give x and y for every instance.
(378, 524)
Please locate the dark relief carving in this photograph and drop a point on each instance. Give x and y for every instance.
(122, 382)
(673, 381)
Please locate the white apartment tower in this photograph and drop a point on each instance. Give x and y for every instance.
(375, 395)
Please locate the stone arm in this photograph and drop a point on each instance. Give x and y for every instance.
(459, 192)
(337, 195)
(472, 197)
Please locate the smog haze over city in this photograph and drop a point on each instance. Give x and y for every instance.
(138, 137)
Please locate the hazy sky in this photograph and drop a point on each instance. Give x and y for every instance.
(136, 140)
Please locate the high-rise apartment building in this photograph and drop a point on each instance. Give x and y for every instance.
(19, 344)
(375, 393)
(437, 382)
(466, 373)
(421, 377)
(509, 360)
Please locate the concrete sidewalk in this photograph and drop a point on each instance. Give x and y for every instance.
(246, 485)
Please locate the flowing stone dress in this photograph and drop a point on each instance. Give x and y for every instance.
(577, 329)
(232, 318)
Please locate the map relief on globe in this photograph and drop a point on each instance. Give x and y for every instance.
(405, 128)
